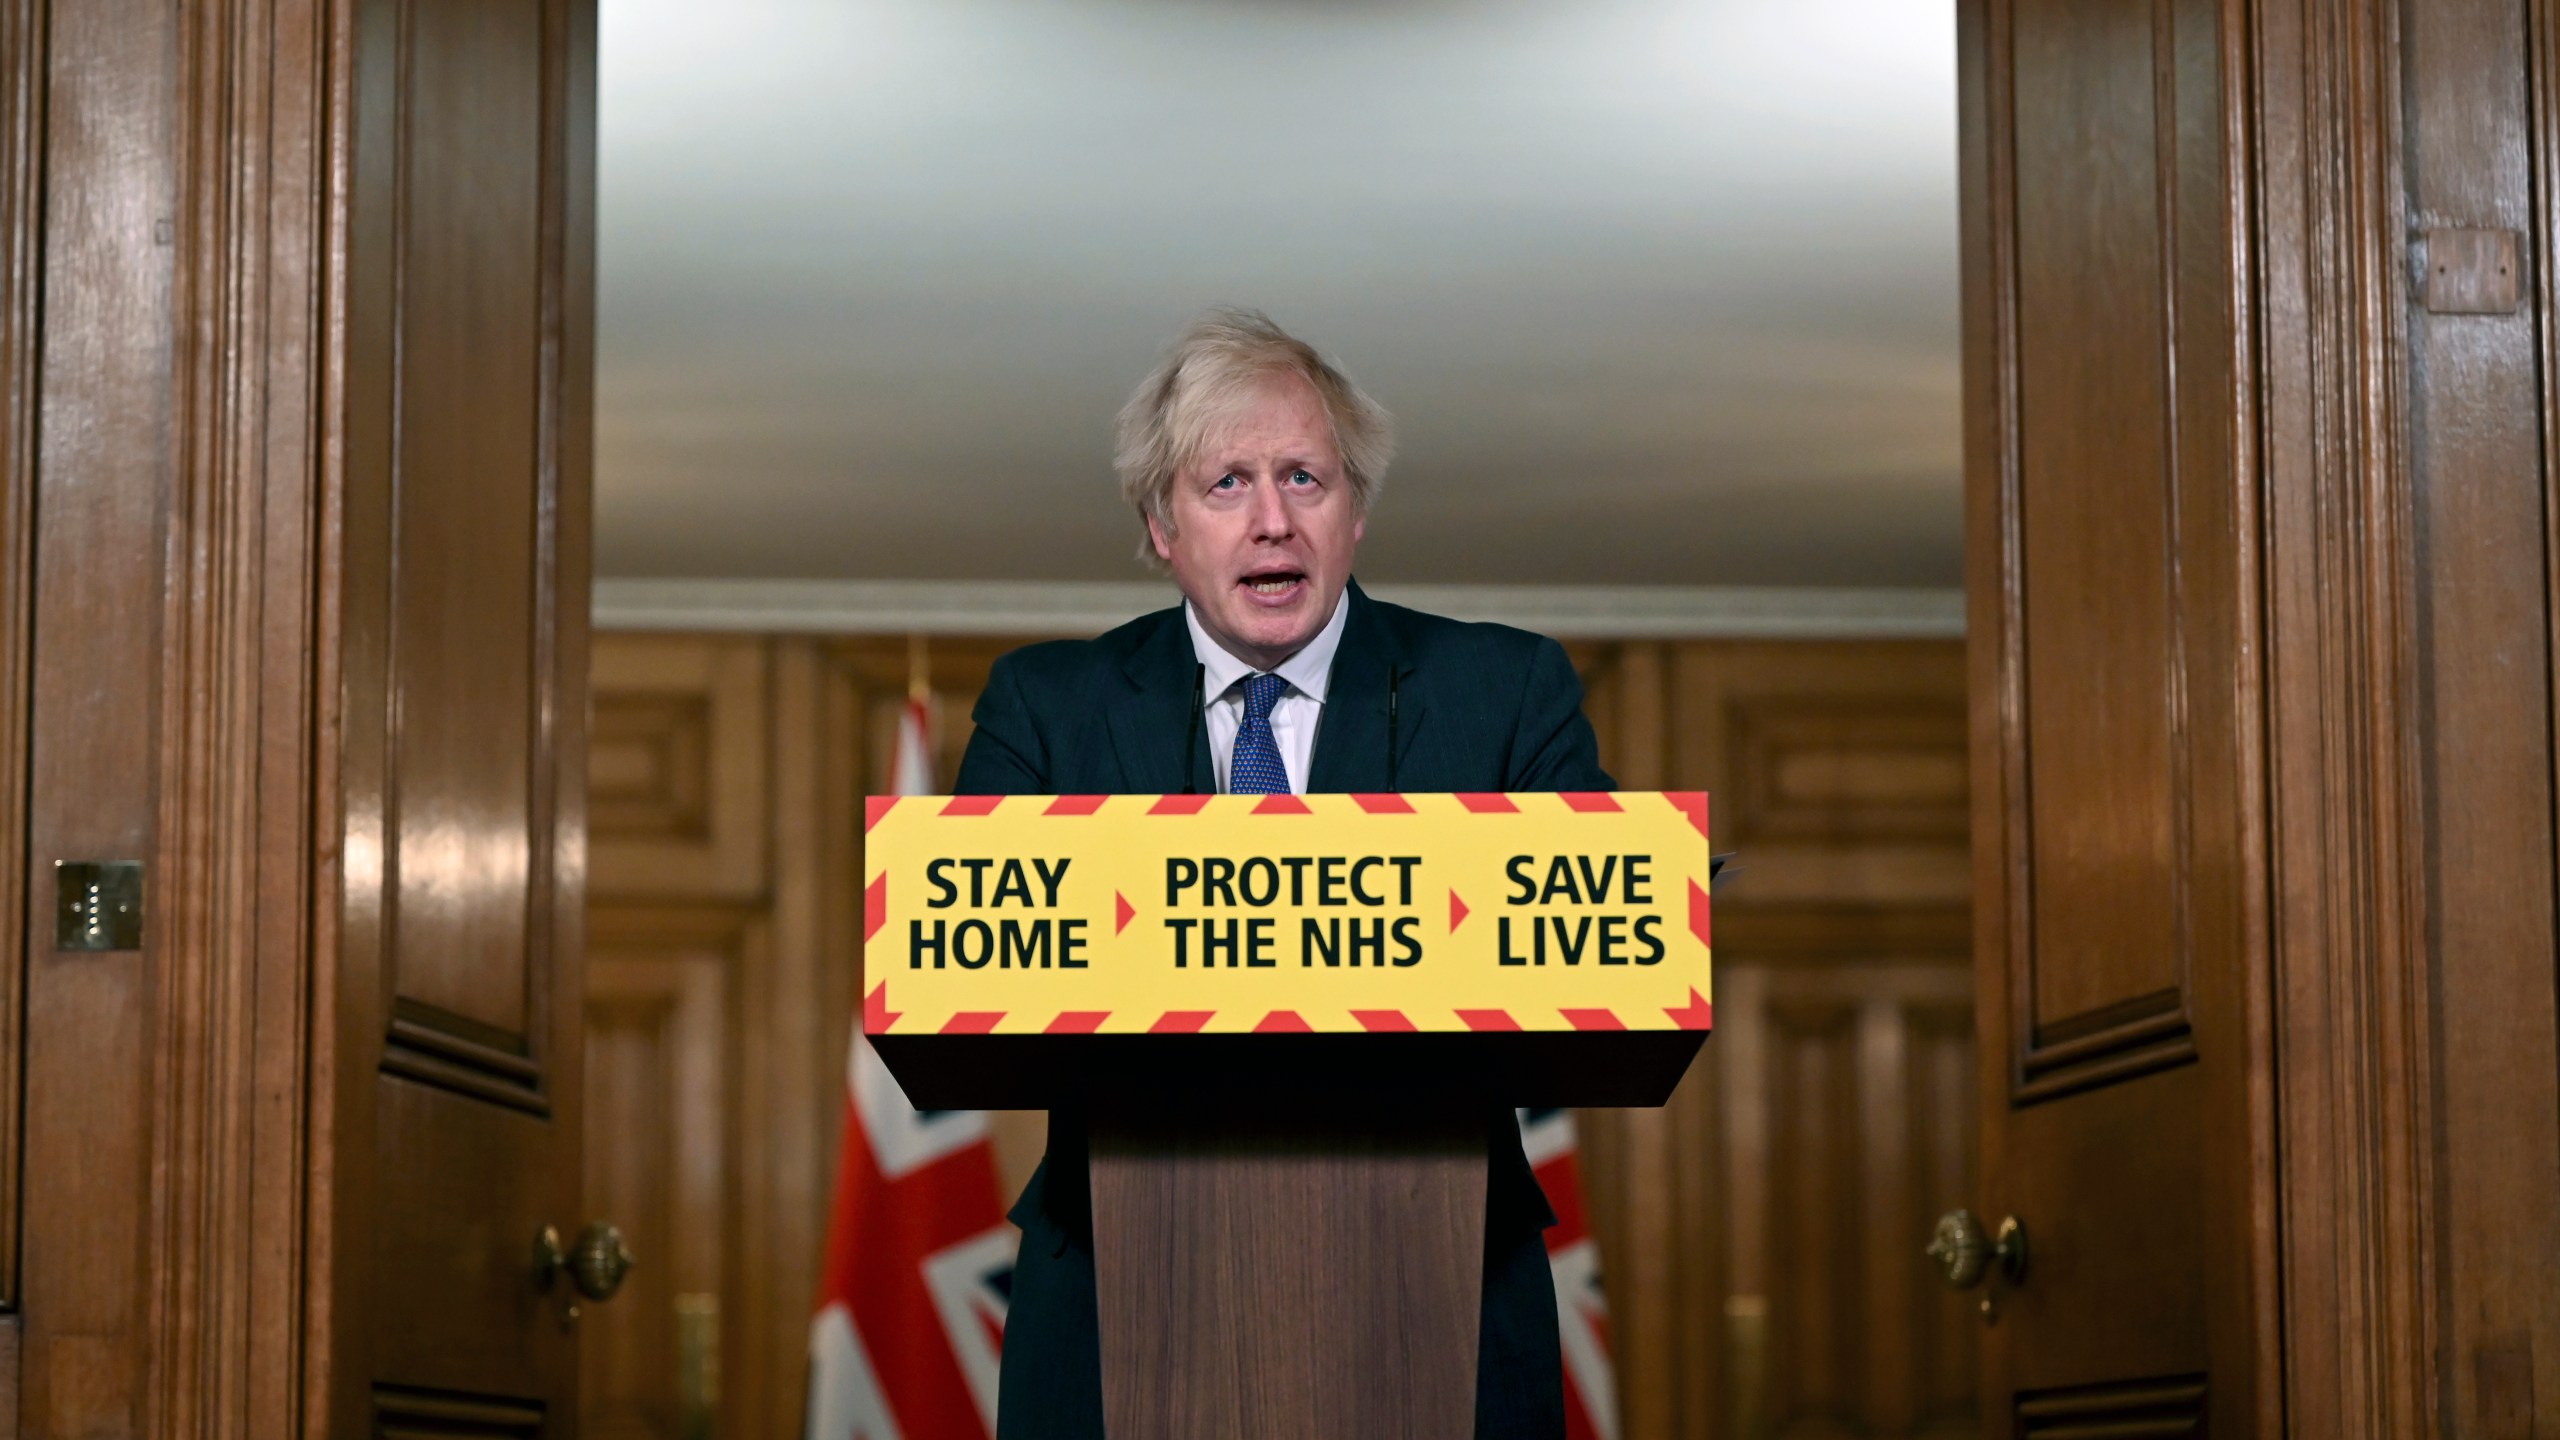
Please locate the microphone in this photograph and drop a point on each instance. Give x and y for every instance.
(1391, 728)
(1191, 731)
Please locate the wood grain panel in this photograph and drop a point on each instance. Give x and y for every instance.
(478, 1182)
(660, 1117)
(2351, 946)
(1817, 1352)
(1844, 771)
(107, 456)
(238, 1257)
(793, 1088)
(2095, 526)
(1836, 767)
(1329, 1264)
(1693, 1371)
(2115, 1176)
(466, 831)
(648, 777)
(2481, 491)
(679, 791)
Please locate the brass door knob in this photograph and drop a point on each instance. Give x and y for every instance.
(597, 1266)
(1965, 1254)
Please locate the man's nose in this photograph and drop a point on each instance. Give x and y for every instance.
(1271, 520)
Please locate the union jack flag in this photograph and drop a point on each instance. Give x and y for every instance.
(919, 1257)
(1582, 1313)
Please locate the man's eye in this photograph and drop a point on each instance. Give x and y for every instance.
(1223, 482)
(1301, 477)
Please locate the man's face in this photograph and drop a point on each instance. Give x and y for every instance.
(1264, 526)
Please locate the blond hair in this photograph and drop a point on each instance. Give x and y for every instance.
(1217, 366)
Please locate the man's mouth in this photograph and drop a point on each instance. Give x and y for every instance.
(1273, 584)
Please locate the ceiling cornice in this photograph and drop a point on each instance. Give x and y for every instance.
(1571, 612)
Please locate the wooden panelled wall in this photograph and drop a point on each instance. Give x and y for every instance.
(1761, 1234)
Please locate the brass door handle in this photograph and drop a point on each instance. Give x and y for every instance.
(597, 1266)
(1965, 1255)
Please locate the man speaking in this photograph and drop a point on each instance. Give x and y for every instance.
(1253, 464)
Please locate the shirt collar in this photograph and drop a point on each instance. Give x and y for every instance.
(1307, 671)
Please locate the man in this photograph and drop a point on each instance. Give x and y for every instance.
(1253, 464)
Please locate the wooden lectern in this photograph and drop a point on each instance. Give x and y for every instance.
(1288, 1230)
(1288, 1220)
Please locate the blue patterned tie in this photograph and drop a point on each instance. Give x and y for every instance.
(1256, 768)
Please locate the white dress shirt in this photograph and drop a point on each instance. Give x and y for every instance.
(1293, 718)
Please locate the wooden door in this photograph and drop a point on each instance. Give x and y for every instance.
(2118, 878)
(464, 594)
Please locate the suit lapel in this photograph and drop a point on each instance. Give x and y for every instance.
(1147, 719)
(1351, 741)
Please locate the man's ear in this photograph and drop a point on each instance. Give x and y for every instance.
(1161, 538)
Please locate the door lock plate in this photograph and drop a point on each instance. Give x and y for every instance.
(97, 905)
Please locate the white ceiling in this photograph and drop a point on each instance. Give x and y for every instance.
(1660, 291)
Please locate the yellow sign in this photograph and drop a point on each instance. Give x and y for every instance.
(1193, 914)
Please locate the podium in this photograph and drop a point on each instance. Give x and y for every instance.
(1288, 1199)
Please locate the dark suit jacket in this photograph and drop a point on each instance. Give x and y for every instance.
(1477, 708)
